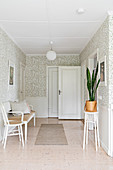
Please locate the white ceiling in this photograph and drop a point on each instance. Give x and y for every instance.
(34, 23)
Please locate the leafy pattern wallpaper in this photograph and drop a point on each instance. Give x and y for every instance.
(101, 41)
(36, 72)
(110, 59)
(9, 51)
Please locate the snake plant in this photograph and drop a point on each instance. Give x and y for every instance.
(92, 83)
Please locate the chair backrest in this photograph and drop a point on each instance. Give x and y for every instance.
(4, 114)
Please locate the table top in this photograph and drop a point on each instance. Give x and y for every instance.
(86, 112)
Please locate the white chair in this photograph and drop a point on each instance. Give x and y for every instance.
(25, 118)
(91, 117)
(12, 127)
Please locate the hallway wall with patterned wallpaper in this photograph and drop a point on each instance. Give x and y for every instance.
(9, 52)
(36, 72)
(103, 41)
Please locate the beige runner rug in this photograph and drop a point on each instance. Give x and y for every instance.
(51, 134)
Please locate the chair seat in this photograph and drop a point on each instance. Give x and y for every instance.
(12, 122)
(32, 111)
(26, 117)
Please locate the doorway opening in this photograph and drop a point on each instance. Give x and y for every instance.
(52, 91)
(83, 86)
(64, 92)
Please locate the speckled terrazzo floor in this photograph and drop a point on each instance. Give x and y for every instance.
(54, 157)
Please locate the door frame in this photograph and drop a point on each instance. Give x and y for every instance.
(47, 75)
(47, 81)
(21, 67)
(71, 67)
(83, 77)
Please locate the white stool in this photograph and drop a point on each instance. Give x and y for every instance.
(91, 117)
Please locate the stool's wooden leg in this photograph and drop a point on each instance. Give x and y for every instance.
(98, 134)
(87, 135)
(95, 137)
(84, 135)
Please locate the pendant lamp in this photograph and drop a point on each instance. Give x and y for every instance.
(51, 55)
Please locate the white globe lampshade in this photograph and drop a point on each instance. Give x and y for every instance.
(51, 55)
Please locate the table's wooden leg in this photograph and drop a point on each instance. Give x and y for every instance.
(34, 119)
(25, 132)
(21, 131)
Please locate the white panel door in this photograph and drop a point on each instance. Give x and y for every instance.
(53, 91)
(70, 92)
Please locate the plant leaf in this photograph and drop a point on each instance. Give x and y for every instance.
(92, 84)
(96, 73)
(89, 82)
(97, 86)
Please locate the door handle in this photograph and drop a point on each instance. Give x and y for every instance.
(60, 92)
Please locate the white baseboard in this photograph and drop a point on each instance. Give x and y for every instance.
(110, 153)
(104, 147)
(40, 116)
(52, 116)
(62, 117)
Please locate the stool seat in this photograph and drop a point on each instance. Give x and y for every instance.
(91, 117)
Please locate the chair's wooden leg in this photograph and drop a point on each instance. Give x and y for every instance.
(84, 135)
(22, 135)
(25, 132)
(6, 133)
(34, 119)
